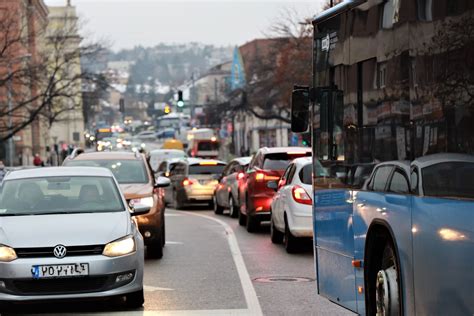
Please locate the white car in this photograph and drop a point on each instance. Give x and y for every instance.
(291, 208)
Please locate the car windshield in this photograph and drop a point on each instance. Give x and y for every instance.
(59, 195)
(125, 171)
(206, 169)
(449, 179)
(280, 161)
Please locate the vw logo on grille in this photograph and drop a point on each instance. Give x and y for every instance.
(59, 251)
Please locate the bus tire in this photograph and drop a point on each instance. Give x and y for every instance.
(387, 286)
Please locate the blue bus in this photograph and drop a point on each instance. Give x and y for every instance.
(391, 115)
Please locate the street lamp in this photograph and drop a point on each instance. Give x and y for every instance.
(9, 63)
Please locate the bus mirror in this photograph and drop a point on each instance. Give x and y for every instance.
(299, 110)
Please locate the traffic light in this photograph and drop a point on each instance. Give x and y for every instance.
(167, 109)
(180, 102)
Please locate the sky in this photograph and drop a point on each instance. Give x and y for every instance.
(127, 23)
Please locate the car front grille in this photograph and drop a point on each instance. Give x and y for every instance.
(72, 285)
(47, 252)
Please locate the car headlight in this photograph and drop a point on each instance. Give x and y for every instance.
(121, 247)
(147, 201)
(7, 254)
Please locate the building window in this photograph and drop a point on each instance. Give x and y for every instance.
(425, 12)
(381, 75)
(391, 13)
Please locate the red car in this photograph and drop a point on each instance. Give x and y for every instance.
(268, 164)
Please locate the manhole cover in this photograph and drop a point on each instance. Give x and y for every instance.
(283, 279)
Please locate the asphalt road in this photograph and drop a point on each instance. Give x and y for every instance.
(212, 266)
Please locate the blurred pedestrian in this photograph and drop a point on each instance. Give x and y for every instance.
(38, 162)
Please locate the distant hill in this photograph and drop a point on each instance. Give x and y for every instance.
(171, 64)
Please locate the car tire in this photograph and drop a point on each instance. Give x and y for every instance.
(275, 235)
(155, 250)
(233, 209)
(163, 232)
(252, 223)
(135, 299)
(217, 208)
(291, 242)
(242, 218)
(176, 203)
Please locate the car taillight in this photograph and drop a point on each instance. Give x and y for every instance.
(261, 176)
(240, 176)
(301, 196)
(187, 182)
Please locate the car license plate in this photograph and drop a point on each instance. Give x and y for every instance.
(60, 270)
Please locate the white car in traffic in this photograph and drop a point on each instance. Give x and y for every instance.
(291, 219)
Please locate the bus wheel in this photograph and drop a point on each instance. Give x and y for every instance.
(387, 290)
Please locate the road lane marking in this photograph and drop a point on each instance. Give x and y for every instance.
(226, 312)
(174, 243)
(172, 215)
(251, 298)
(149, 288)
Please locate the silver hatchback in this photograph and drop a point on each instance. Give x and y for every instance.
(66, 233)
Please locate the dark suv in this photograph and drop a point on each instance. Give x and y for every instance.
(268, 164)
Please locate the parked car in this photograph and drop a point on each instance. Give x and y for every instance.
(67, 234)
(194, 181)
(268, 164)
(227, 191)
(159, 155)
(139, 186)
(291, 208)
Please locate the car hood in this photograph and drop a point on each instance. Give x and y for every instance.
(136, 190)
(65, 229)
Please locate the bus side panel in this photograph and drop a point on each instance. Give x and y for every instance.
(334, 246)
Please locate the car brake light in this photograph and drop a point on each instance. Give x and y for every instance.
(187, 182)
(301, 196)
(240, 176)
(260, 176)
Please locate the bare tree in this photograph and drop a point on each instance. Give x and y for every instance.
(281, 61)
(44, 86)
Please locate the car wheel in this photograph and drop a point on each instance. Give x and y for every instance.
(176, 203)
(252, 223)
(135, 299)
(163, 232)
(387, 289)
(155, 250)
(291, 242)
(233, 209)
(242, 218)
(275, 235)
(217, 208)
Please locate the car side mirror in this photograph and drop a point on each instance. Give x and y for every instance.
(139, 209)
(272, 185)
(162, 182)
(299, 110)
